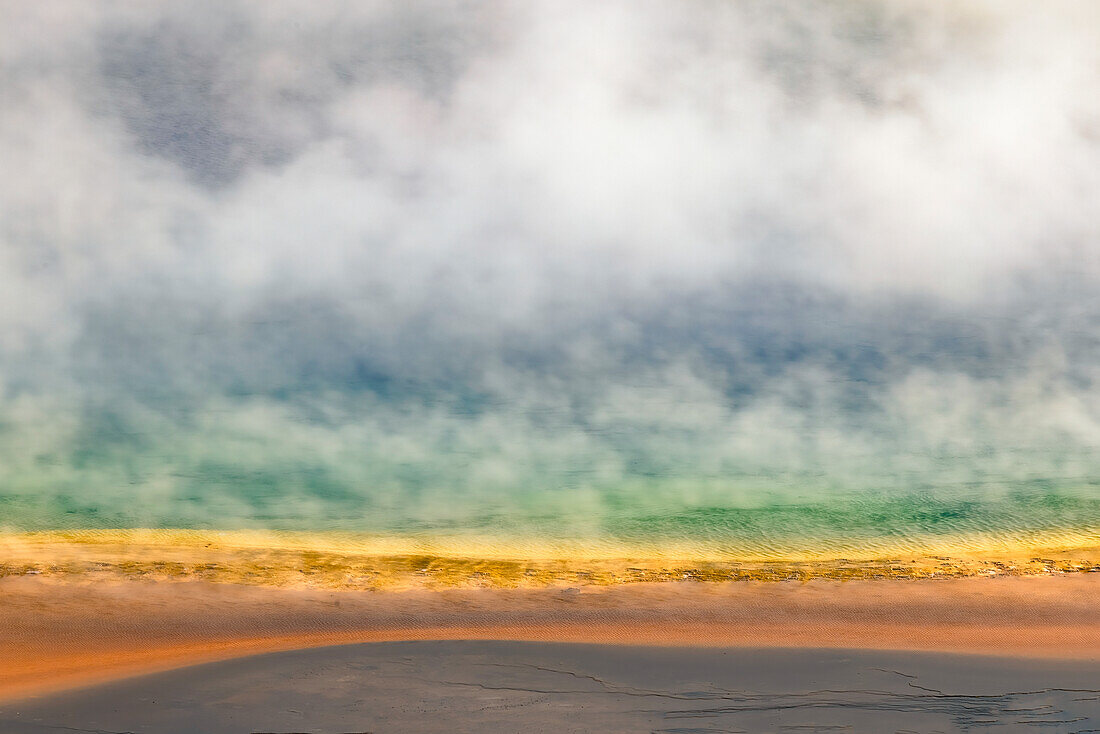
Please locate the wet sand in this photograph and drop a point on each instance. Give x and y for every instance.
(538, 687)
(57, 634)
(341, 561)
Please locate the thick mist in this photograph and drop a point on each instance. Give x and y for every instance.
(576, 267)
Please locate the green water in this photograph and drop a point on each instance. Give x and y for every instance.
(641, 515)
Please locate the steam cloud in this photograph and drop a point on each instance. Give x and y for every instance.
(434, 265)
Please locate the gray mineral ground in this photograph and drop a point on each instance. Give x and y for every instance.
(488, 686)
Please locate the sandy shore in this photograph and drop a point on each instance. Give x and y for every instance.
(347, 562)
(57, 633)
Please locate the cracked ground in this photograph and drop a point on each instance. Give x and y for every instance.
(535, 687)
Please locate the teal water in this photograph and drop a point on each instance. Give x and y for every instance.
(743, 276)
(644, 514)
